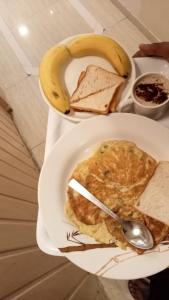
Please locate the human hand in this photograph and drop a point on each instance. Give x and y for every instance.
(155, 49)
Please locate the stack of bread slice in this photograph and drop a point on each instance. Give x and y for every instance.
(98, 91)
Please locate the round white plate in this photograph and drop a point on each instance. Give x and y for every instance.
(70, 149)
(72, 73)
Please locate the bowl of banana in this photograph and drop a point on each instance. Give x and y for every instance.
(62, 64)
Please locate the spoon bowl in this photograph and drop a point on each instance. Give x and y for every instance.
(137, 234)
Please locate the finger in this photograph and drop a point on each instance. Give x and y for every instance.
(139, 54)
(152, 49)
(156, 49)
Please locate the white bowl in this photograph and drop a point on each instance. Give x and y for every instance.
(151, 111)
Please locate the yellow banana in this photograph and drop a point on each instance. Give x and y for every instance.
(102, 46)
(50, 74)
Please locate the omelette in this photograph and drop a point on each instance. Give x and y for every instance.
(117, 174)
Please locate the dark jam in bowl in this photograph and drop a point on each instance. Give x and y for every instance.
(152, 89)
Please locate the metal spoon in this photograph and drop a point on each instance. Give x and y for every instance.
(136, 233)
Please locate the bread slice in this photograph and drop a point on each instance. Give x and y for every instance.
(82, 75)
(98, 102)
(117, 97)
(94, 80)
(154, 201)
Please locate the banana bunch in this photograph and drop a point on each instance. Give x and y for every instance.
(51, 68)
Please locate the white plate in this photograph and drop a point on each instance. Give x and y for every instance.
(71, 75)
(151, 64)
(71, 148)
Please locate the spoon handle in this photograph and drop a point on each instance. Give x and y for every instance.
(75, 185)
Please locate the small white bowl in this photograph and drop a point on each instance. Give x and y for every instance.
(154, 112)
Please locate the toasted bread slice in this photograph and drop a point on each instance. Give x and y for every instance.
(117, 96)
(82, 75)
(94, 80)
(154, 201)
(97, 103)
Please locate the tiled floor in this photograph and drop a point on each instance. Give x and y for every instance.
(30, 112)
(48, 27)
(103, 11)
(127, 35)
(27, 30)
(148, 14)
(13, 72)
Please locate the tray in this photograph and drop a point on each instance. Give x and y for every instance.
(57, 126)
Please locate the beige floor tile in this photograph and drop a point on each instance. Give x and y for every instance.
(10, 69)
(38, 153)
(90, 289)
(127, 35)
(116, 289)
(30, 112)
(48, 27)
(152, 14)
(104, 11)
(14, 12)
